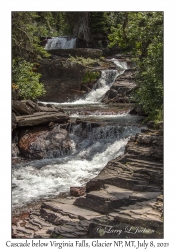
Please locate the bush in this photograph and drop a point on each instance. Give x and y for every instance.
(24, 78)
(82, 61)
(91, 76)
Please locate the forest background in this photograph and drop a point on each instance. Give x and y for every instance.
(138, 33)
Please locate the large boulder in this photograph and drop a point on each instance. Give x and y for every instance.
(35, 143)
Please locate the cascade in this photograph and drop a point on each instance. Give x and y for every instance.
(61, 43)
(92, 149)
(93, 145)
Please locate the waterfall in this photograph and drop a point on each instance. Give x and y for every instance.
(92, 149)
(61, 43)
(93, 145)
(102, 85)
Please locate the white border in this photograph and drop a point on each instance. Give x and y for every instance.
(5, 94)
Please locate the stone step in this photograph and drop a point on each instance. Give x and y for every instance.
(122, 182)
(144, 162)
(22, 231)
(70, 210)
(77, 229)
(57, 218)
(144, 152)
(106, 200)
(43, 233)
(141, 214)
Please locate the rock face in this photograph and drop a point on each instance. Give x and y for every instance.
(35, 144)
(120, 92)
(124, 201)
(139, 169)
(61, 78)
(84, 52)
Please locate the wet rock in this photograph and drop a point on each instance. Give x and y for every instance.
(35, 144)
(77, 191)
(137, 110)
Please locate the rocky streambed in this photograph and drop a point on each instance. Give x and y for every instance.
(87, 168)
(125, 200)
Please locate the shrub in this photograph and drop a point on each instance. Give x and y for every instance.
(26, 79)
(91, 76)
(82, 61)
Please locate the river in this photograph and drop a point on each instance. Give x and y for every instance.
(101, 137)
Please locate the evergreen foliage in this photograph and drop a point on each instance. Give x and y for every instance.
(99, 22)
(141, 33)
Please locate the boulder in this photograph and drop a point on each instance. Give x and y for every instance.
(37, 144)
(77, 191)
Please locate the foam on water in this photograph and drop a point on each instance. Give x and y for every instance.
(92, 149)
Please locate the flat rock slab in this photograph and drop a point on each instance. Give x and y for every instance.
(39, 118)
(142, 214)
(71, 210)
(116, 193)
(106, 200)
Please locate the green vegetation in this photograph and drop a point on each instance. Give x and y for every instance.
(141, 33)
(91, 76)
(25, 79)
(82, 61)
(138, 33)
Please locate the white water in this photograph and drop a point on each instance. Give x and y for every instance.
(60, 43)
(102, 85)
(92, 148)
(119, 64)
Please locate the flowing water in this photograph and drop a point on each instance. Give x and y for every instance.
(101, 137)
(61, 43)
